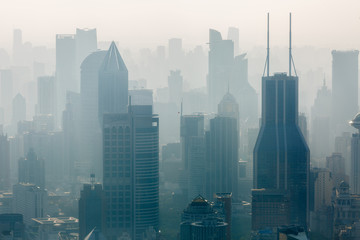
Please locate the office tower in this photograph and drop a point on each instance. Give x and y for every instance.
(225, 200)
(192, 139)
(91, 209)
(228, 107)
(65, 69)
(355, 157)
(18, 109)
(222, 154)
(175, 83)
(233, 35)
(90, 128)
(343, 146)
(197, 218)
(344, 89)
(221, 58)
(303, 126)
(48, 146)
(12, 226)
(46, 95)
(244, 93)
(320, 123)
(321, 193)
(86, 43)
(113, 83)
(30, 201)
(4, 162)
(320, 189)
(336, 164)
(131, 172)
(71, 134)
(32, 170)
(281, 155)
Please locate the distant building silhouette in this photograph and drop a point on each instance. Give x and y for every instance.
(32, 170)
(175, 83)
(355, 156)
(345, 95)
(12, 226)
(19, 109)
(46, 101)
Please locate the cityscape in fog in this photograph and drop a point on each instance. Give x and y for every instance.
(179, 121)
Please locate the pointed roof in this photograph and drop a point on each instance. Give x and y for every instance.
(113, 60)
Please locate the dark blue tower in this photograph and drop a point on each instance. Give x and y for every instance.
(281, 155)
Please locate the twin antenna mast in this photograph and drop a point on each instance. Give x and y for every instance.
(267, 62)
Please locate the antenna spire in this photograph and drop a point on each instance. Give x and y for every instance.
(290, 54)
(268, 48)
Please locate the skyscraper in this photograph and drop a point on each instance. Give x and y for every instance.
(31, 170)
(281, 155)
(345, 97)
(222, 154)
(131, 172)
(113, 83)
(86, 43)
(192, 138)
(221, 57)
(233, 34)
(175, 83)
(90, 129)
(320, 122)
(19, 109)
(355, 157)
(46, 95)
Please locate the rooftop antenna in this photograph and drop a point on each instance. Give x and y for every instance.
(290, 55)
(267, 62)
(291, 59)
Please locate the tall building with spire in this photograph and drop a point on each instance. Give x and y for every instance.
(281, 155)
(113, 83)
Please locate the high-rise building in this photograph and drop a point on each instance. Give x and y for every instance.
(91, 210)
(6, 88)
(46, 95)
(4, 162)
(225, 200)
(131, 172)
(233, 35)
(345, 97)
(192, 138)
(65, 70)
(222, 154)
(90, 129)
(320, 123)
(17, 48)
(86, 43)
(343, 146)
(304, 126)
(221, 59)
(29, 200)
(113, 83)
(175, 83)
(355, 157)
(18, 109)
(176, 54)
(281, 155)
(336, 164)
(31, 170)
(228, 107)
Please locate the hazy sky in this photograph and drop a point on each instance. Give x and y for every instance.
(147, 23)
